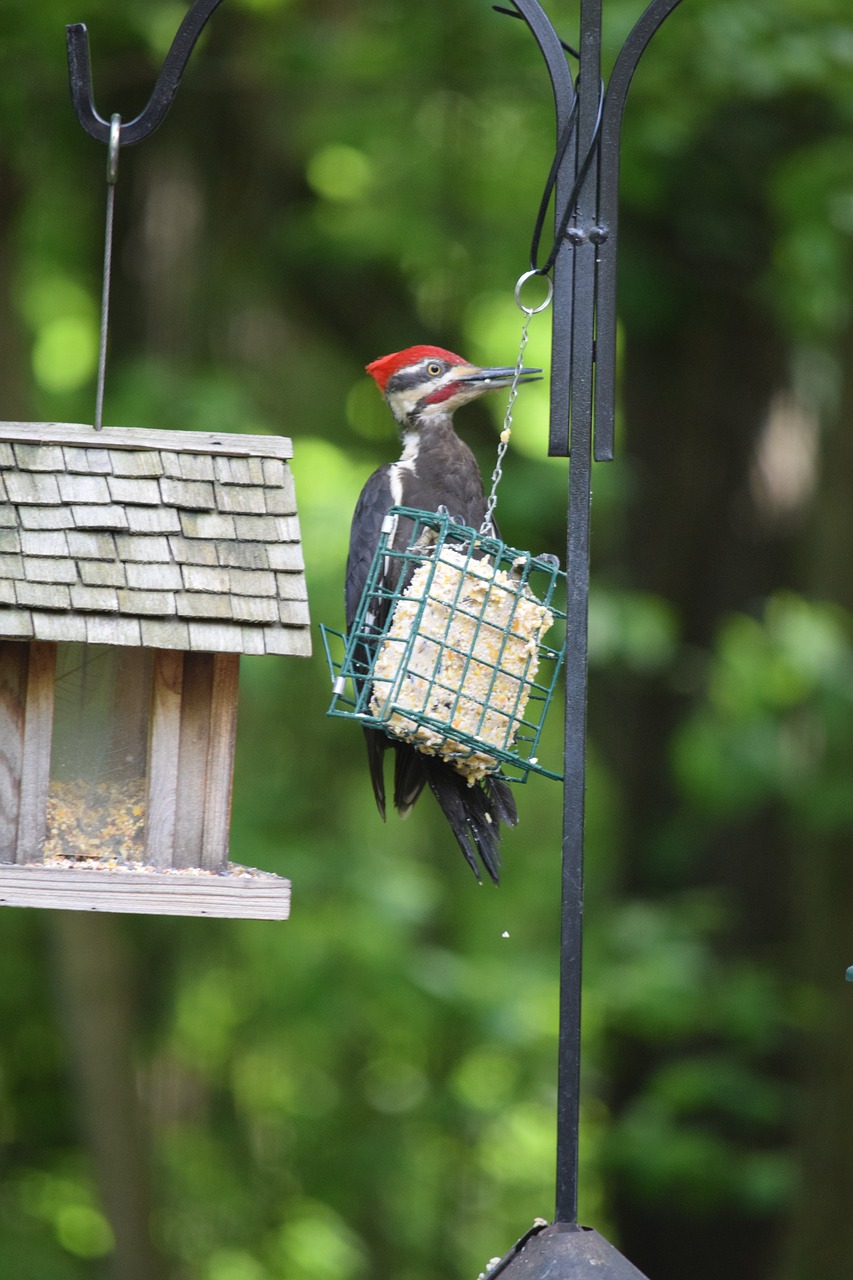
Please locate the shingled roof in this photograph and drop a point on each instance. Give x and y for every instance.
(161, 539)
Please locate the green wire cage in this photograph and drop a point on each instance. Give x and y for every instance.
(446, 649)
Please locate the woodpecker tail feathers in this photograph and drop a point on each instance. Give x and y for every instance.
(502, 800)
(409, 777)
(474, 814)
(377, 745)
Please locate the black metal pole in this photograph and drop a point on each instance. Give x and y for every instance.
(577, 587)
(583, 389)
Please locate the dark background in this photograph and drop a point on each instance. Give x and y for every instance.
(369, 1089)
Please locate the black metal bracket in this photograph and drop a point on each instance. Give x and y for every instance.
(608, 197)
(165, 88)
(589, 126)
(583, 382)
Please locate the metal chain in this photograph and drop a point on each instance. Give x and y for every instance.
(112, 178)
(486, 527)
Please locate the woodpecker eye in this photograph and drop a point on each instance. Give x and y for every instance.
(434, 368)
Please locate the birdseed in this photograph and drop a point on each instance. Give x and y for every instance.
(94, 820)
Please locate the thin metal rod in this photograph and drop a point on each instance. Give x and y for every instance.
(105, 311)
(165, 88)
(112, 178)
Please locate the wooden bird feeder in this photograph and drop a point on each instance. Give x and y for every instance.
(135, 567)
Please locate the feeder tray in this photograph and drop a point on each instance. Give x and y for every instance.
(445, 650)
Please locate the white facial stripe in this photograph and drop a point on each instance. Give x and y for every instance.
(404, 400)
(403, 403)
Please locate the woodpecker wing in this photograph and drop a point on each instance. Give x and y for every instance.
(371, 508)
(375, 500)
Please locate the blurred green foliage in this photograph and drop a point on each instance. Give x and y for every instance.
(369, 1090)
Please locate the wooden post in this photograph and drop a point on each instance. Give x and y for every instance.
(191, 759)
(163, 757)
(220, 761)
(35, 760)
(13, 684)
(192, 768)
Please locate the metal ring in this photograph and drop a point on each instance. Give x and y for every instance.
(113, 150)
(522, 280)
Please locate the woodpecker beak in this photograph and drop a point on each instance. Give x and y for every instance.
(494, 379)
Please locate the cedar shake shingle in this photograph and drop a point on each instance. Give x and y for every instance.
(168, 539)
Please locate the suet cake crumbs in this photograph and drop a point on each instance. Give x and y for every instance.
(470, 663)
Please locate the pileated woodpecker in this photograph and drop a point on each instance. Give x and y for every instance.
(423, 386)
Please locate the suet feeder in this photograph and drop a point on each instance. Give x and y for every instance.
(447, 648)
(136, 566)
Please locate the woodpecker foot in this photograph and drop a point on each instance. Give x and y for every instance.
(443, 511)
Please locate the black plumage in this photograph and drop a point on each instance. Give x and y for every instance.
(423, 386)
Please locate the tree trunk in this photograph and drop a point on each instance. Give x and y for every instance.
(820, 1242)
(696, 399)
(94, 986)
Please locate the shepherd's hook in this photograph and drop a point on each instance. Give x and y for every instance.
(157, 107)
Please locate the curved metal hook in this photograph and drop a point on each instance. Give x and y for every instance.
(157, 107)
(561, 181)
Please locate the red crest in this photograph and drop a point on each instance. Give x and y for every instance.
(384, 368)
